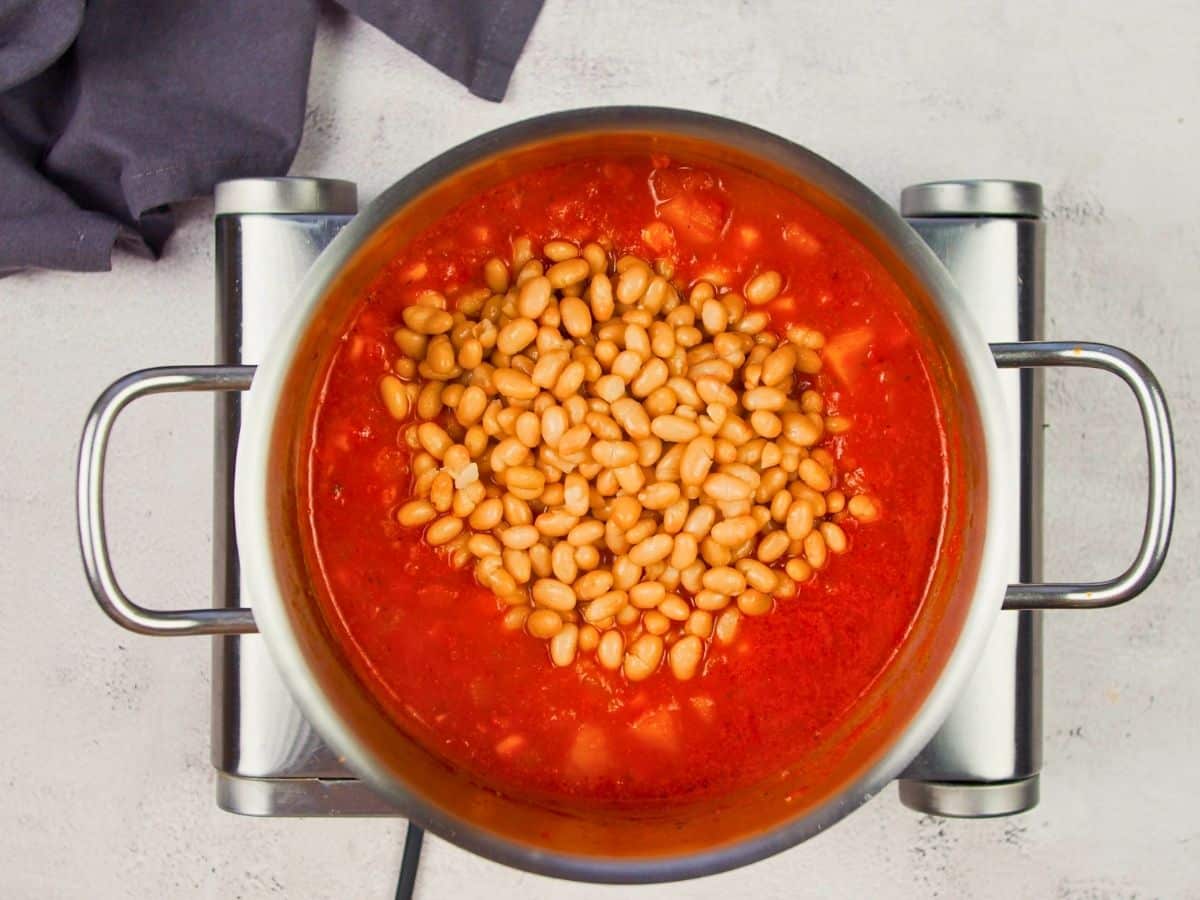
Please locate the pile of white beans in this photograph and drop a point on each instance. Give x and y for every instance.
(629, 471)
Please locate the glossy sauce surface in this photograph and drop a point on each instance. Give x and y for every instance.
(428, 641)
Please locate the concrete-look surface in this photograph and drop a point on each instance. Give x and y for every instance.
(105, 737)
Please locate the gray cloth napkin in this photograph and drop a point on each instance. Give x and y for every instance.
(112, 109)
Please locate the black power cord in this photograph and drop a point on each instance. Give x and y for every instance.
(408, 864)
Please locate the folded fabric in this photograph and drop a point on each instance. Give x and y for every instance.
(109, 111)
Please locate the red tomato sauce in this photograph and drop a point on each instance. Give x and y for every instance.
(428, 642)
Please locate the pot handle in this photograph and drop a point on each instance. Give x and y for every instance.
(89, 499)
(1160, 447)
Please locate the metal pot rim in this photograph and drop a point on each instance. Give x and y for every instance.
(252, 519)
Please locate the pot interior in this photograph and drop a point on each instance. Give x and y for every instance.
(868, 747)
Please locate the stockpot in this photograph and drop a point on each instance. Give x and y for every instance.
(886, 729)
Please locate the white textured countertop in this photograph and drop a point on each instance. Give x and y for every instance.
(105, 735)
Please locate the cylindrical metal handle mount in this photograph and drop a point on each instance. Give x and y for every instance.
(89, 487)
(1160, 448)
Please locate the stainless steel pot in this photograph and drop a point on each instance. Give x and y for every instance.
(896, 718)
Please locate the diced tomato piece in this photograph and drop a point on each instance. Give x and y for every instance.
(846, 354)
(800, 238)
(697, 180)
(694, 218)
(618, 175)
(414, 271)
(589, 754)
(704, 706)
(691, 202)
(510, 746)
(659, 237)
(665, 184)
(749, 236)
(659, 728)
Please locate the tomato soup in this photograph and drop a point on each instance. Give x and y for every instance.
(430, 643)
